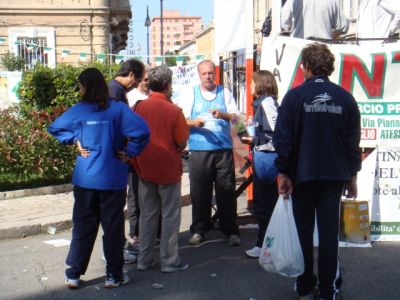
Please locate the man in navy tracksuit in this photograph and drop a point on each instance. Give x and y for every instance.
(128, 77)
(317, 139)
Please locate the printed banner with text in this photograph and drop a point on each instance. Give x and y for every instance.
(385, 214)
(183, 77)
(369, 73)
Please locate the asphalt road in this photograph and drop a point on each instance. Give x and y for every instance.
(31, 269)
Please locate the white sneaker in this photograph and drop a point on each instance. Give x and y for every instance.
(129, 257)
(72, 283)
(196, 239)
(253, 252)
(111, 282)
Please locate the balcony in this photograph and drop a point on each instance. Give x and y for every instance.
(120, 14)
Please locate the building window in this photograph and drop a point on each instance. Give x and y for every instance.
(34, 45)
(32, 50)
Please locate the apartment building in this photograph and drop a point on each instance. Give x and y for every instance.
(63, 31)
(177, 30)
(205, 42)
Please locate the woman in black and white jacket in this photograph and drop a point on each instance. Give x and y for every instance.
(265, 107)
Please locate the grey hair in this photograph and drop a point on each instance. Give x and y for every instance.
(147, 68)
(205, 61)
(159, 78)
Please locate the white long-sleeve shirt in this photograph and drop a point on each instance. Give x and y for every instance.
(134, 96)
(313, 18)
(378, 18)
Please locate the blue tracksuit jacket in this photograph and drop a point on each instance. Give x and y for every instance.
(103, 133)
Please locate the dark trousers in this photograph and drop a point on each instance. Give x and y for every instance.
(322, 198)
(133, 204)
(92, 208)
(207, 168)
(265, 196)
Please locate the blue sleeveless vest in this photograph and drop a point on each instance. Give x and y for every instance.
(216, 133)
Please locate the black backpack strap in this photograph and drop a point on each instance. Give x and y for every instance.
(136, 104)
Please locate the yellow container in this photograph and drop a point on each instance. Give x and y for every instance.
(354, 222)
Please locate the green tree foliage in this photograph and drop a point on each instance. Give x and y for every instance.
(170, 61)
(12, 62)
(186, 60)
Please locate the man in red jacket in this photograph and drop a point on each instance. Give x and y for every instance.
(160, 172)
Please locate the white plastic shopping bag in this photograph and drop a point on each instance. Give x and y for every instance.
(281, 251)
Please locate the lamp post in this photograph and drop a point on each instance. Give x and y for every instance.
(162, 29)
(147, 24)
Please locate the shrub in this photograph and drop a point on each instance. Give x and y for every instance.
(65, 80)
(45, 88)
(36, 90)
(29, 153)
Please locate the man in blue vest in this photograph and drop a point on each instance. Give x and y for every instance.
(208, 109)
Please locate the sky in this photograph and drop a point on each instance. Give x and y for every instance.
(202, 8)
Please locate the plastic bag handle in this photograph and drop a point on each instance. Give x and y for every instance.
(286, 203)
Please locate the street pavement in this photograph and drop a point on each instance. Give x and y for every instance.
(33, 267)
(35, 211)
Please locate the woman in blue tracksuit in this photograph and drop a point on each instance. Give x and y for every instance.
(265, 107)
(107, 133)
